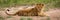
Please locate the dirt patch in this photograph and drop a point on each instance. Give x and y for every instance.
(54, 14)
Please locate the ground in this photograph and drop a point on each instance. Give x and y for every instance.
(54, 14)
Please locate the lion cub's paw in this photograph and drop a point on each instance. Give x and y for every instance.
(43, 15)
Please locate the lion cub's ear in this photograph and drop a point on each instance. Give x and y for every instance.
(40, 4)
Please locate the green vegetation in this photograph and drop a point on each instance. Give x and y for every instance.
(24, 18)
(12, 3)
(29, 18)
(48, 18)
(9, 17)
(57, 5)
(1, 18)
(21, 19)
(7, 3)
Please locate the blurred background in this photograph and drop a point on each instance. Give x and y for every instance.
(14, 3)
(52, 7)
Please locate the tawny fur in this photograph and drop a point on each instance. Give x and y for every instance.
(37, 11)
